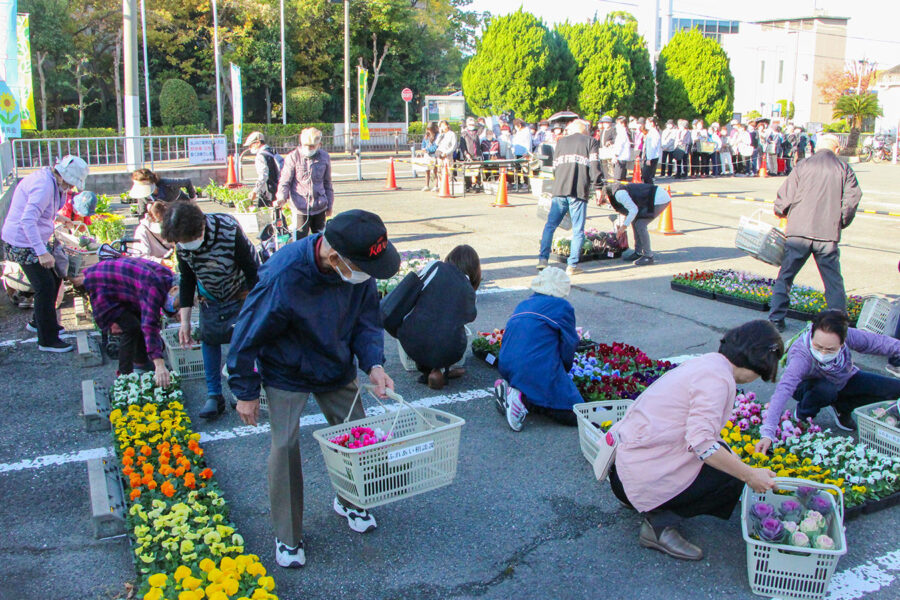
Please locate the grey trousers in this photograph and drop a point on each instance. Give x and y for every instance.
(285, 468)
(641, 233)
(828, 259)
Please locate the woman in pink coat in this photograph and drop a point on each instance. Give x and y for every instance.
(671, 463)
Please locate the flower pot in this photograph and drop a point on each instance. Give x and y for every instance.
(687, 289)
(800, 316)
(488, 357)
(742, 302)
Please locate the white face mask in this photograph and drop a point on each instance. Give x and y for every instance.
(356, 277)
(192, 245)
(156, 228)
(304, 151)
(254, 150)
(824, 358)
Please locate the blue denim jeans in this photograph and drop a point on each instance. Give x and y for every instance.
(212, 368)
(577, 210)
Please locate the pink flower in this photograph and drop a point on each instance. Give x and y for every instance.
(744, 424)
(751, 396)
(754, 420)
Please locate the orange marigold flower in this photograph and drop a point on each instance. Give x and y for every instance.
(193, 445)
(151, 485)
(146, 479)
(134, 494)
(166, 470)
(167, 489)
(146, 450)
(141, 459)
(206, 473)
(148, 469)
(189, 481)
(164, 458)
(176, 449)
(179, 471)
(129, 451)
(127, 471)
(127, 460)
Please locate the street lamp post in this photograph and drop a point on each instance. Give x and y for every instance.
(218, 86)
(347, 137)
(134, 156)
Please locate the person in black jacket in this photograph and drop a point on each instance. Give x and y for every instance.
(433, 334)
(819, 199)
(148, 187)
(576, 165)
(640, 203)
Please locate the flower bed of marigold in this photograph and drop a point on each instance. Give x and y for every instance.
(185, 547)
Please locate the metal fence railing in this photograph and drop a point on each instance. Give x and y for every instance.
(396, 142)
(158, 151)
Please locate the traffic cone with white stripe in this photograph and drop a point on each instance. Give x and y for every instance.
(502, 199)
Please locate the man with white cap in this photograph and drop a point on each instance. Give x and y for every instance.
(268, 168)
(27, 239)
(537, 353)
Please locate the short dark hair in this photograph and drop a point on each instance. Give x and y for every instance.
(519, 123)
(158, 210)
(464, 258)
(831, 321)
(756, 345)
(145, 176)
(183, 222)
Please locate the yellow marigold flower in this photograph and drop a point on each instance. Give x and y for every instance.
(220, 595)
(256, 568)
(230, 585)
(189, 595)
(259, 594)
(214, 575)
(187, 546)
(748, 448)
(191, 583)
(158, 580)
(182, 571)
(206, 565)
(213, 588)
(746, 438)
(228, 564)
(153, 594)
(782, 473)
(268, 583)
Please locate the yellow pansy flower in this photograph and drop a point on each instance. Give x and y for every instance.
(153, 594)
(158, 580)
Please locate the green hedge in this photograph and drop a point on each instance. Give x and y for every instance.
(418, 128)
(112, 132)
(305, 104)
(278, 130)
(178, 103)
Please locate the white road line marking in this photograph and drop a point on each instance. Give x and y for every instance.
(51, 460)
(865, 579)
(500, 290)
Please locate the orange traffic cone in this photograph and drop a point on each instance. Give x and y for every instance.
(762, 166)
(231, 181)
(501, 190)
(390, 182)
(636, 177)
(782, 223)
(446, 192)
(666, 220)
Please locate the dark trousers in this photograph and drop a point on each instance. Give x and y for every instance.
(716, 163)
(620, 172)
(828, 259)
(695, 164)
(307, 224)
(667, 164)
(812, 395)
(46, 287)
(648, 172)
(704, 163)
(132, 348)
(561, 416)
(713, 492)
(681, 164)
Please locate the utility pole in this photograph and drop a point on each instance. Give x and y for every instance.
(347, 136)
(218, 83)
(134, 154)
(146, 66)
(283, 89)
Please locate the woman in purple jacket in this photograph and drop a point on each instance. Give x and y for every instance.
(306, 181)
(820, 374)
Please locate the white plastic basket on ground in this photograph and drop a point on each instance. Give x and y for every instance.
(590, 416)
(421, 454)
(760, 240)
(410, 365)
(263, 398)
(879, 315)
(788, 572)
(878, 434)
(187, 362)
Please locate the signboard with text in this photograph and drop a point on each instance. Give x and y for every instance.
(206, 150)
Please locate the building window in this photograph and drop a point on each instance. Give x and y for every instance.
(762, 71)
(780, 71)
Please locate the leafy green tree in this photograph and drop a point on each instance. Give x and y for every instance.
(622, 26)
(50, 37)
(177, 103)
(855, 109)
(693, 79)
(304, 105)
(519, 64)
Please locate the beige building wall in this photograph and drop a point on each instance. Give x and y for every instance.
(831, 49)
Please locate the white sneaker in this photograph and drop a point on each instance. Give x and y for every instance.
(287, 557)
(500, 391)
(515, 409)
(359, 520)
(426, 189)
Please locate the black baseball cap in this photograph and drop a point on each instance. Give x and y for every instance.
(361, 237)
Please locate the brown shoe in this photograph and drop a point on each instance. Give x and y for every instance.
(436, 379)
(456, 373)
(669, 542)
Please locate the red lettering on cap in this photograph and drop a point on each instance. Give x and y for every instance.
(378, 247)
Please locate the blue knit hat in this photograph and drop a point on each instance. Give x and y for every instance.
(85, 203)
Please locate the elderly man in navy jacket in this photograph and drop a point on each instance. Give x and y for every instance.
(314, 310)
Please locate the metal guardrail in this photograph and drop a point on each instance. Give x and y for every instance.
(395, 142)
(170, 150)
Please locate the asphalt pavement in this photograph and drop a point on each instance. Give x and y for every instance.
(524, 517)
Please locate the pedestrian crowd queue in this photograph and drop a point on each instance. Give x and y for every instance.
(310, 318)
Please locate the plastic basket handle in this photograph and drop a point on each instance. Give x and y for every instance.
(792, 483)
(393, 396)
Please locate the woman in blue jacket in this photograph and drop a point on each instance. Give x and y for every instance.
(537, 353)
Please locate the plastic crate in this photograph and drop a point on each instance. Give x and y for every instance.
(254, 222)
(760, 240)
(875, 433)
(188, 363)
(421, 455)
(880, 316)
(786, 572)
(410, 365)
(589, 413)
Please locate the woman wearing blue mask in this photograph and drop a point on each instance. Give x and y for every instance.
(820, 374)
(305, 180)
(218, 263)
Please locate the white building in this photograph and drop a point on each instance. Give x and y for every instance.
(786, 59)
(888, 89)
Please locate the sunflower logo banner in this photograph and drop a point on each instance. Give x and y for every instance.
(9, 113)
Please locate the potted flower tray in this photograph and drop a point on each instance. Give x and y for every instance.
(693, 291)
(742, 302)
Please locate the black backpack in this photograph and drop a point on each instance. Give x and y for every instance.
(274, 174)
